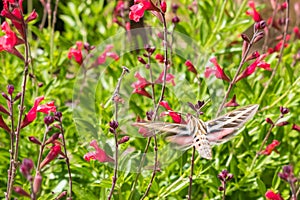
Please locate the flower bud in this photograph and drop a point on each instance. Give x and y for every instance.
(5, 96)
(141, 60)
(175, 20)
(52, 138)
(18, 96)
(34, 140)
(284, 110)
(26, 168)
(282, 123)
(163, 6)
(260, 25)
(245, 38)
(10, 89)
(37, 183)
(296, 127)
(259, 36)
(57, 115)
(19, 190)
(123, 140)
(174, 7)
(269, 121)
(48, 120)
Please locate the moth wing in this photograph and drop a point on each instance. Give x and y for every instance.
(223, 128)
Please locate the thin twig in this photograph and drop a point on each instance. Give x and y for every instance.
(280, 53)
(66, 158)
(116, 95)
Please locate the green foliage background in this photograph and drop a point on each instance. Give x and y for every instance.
(216, 25)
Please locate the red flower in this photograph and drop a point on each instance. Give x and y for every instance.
(279, 45)
(163, 6)
(232, 102)
(217, 71)
(31, 115)
(190, 66)
(4, 125)
(76, 52)
(107, 53)
(253, 13)
(143, 92)
(9, 40)
(141, 83)
(99, 154)
(53, 153)
(252, 67)
(270, 195)
(138, 9)
(270, 148)
(174, 115)
(160, 58)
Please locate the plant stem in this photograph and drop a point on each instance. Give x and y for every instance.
(165, 42)
(236, 74)
(67, 158)
(21, 110)
(264, 141)
(280, 53)
(12, 139)
(191, 174)
(116, 94)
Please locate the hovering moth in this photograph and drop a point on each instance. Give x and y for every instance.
(202, 135)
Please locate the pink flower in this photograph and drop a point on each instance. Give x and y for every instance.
(217, 71)
(296, 31)
(232, 102)
(143, 92)
(141, 82)
(138, 9)
(174, 115)
(76, 53)
(160, 58)
(279, 45)
(9, 40)
(190, 66)
(271, 195)
(270, 148)
(253, 13)
(53, 153)
(169, 79)
(31, 115)
(107, 53)
(252, 67)
(99, 154)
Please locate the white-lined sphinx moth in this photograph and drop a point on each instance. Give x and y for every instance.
(202, 135)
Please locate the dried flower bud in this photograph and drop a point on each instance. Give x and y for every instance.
(48, 120)
(113, 124)
(149, 115)
(284, 110)
(220, 188)
(269, 121)
(260, 25)
(37, 183)
(123, 140)
(259, 36)
(34, 140)
(141, 60)
(10, 89)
